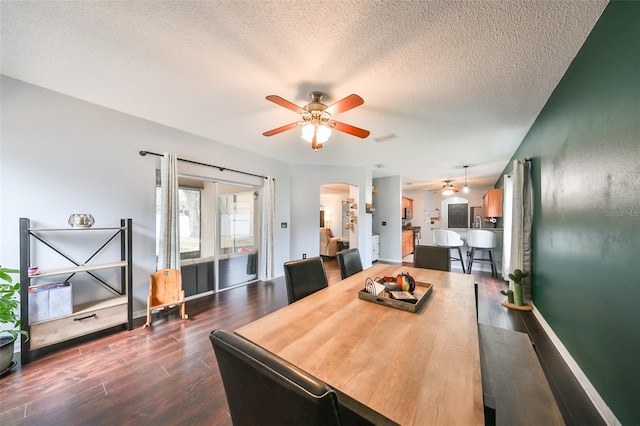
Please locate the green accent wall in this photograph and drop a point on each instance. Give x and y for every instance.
(585, 151)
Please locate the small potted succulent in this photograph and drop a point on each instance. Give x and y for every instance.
(9, 316)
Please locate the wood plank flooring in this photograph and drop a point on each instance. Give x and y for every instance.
(168, 374)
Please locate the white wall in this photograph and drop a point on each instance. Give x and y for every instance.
(388, 201)
(60, 155)
(305, 205)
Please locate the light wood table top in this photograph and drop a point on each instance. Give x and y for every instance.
(386, 364)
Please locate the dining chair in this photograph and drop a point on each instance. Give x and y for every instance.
(165, 289)
(349, 262)
(431, 257)
(304, 277)
(262, 388)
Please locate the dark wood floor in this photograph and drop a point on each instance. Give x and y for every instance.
(168, 374)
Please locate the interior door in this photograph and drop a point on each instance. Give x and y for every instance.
(458, 215)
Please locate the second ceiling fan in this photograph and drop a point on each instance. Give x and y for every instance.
(316, 118)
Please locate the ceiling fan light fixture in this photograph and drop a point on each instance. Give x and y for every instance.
(321, 132)
(324, 133)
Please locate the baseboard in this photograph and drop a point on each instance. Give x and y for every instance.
(390, 261)
(592, 393)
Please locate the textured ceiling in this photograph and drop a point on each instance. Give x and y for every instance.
(456, 82)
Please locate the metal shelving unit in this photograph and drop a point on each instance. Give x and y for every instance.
(86, 318)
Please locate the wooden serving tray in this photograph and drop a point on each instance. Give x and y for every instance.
(421, 291)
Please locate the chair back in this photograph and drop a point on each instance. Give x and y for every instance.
(446, 238)
(262, 388)
(430, 257)
(165, 287)
(479, 238)
(304, 277)
(349, 262)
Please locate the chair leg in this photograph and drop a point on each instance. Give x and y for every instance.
(473, 250)
(148, 323)
(494, 272)
(461, 260)
(183, 306)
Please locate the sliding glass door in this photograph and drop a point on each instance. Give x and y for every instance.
(219, 234)
(239, 236)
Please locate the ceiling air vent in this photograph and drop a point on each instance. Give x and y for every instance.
(385, 138)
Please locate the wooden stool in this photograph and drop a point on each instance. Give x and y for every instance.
(165, 289)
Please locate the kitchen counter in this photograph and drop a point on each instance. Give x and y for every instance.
(466, 229)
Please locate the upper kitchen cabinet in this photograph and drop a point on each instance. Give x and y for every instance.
(493, 203)
(407, 208)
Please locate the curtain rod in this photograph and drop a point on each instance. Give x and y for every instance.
(222, 169)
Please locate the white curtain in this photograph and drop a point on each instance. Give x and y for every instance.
(517, 236)
(507, 200)
(267, 245)
(169, 252)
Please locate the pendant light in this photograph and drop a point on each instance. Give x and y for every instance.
(465, 189)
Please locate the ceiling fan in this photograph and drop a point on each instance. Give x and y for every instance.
(448, 188)
(316, 118)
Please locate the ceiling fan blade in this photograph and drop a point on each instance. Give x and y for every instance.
(285, 103)
(281, 129)
(345, 104)
(352, 130)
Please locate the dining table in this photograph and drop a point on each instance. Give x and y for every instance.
(391, 366)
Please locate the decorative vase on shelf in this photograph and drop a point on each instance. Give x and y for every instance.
(81, 220)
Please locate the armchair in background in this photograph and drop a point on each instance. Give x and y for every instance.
(328, 243)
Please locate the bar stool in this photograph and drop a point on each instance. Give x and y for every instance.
(451, 240)
(483, 241)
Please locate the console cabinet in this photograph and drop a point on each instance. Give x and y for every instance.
(85, 318)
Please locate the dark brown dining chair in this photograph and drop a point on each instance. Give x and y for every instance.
(349, 262)
(304, 277)
(431, 257)
(264, 389)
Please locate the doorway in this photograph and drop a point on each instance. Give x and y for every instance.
(340, 207)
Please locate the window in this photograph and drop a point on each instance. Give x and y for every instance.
(190, 207)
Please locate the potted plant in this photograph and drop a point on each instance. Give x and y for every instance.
(9, 317)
